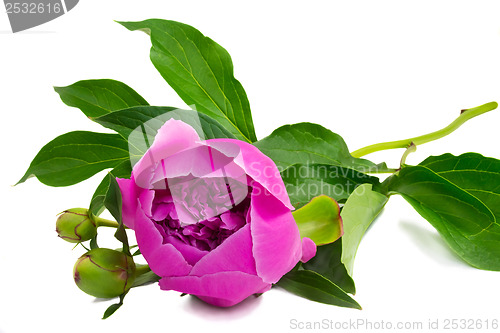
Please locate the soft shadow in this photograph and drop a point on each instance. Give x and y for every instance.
(207, 311)
(103, 300)
(374, 221)
(432, 245)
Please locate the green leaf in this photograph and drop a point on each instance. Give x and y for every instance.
(98, 97)
(460, 197)
(319, 220)
(327, 263)
(113, 307)
(315, 287)
(76, 156)
(139, 125)
(113, 203)
(361, 208)
(93, 243)
(307, 143)
(200, 71)
(306, 181)
(122, 170)
(111, 310)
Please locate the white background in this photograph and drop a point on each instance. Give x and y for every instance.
(371, 71)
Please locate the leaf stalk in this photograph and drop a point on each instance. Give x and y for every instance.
(465, 115)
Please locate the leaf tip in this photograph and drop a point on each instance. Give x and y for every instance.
(132, 26)
(126, 24)
(23, 179)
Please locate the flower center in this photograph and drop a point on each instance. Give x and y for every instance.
(201, 212)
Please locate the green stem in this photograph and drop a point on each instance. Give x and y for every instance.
(464, 116)
(100, 222)
(411, 149)
(141, 269)
(380, 171)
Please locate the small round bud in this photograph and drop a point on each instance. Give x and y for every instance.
(104, 273)
(74, 225)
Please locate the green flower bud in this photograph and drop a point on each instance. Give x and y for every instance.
(104, 273)
(74, 225)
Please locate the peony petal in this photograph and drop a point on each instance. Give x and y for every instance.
(220, 289)
(232, 220)
(161, 211)
(130, 192)
(256, 165)
(146, 202)
(276, 239)
(308, 249)
(172, 137)
(193, 161)
(234, 254)
(163, 259)
(191, 253)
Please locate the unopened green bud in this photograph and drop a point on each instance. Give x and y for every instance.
(104, 273)
(75, 225)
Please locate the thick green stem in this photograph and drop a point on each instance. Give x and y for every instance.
(464, 116)
(100, 222)
(141, 269)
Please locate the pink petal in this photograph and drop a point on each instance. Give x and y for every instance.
(221, 289)
(146, 202)
(172, 137)
(256, 165)
(163, 259)
(232, 220)
(276, 239)
(191, 253)
(308, 249)
(130, 192)
(162, 211)
(234, 254)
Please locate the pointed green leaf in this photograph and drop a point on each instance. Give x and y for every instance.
(361, 208)
(111, 310)
(113, 203)
(122, 170)
(319, 220)
(460, 197)
(93, 243)
(306, 181)
(200, 71)
(98, 97)
(76, 156)
(113, 307)
(314, 287)
(327, 263)
(307, 143)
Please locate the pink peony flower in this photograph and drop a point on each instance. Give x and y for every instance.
(212, 218)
